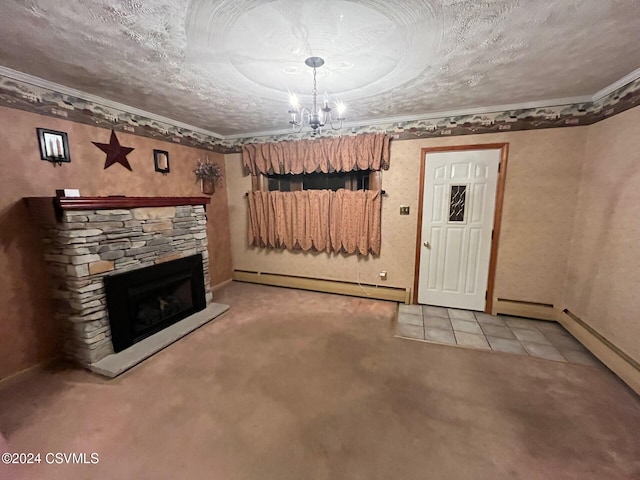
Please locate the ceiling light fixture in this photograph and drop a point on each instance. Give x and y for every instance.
(315, 117)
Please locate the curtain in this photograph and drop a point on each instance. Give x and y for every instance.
(322, 220)
(339, 154)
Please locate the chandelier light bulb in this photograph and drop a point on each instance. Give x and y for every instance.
(317, 116)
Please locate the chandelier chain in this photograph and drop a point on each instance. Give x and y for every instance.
(315, 91)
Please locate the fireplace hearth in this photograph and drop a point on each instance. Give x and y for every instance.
(145, 301)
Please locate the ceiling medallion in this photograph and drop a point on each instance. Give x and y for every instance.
(315, 117)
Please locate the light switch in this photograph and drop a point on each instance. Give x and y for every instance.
(404, 209)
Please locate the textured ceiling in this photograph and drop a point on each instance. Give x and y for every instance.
(226, 66)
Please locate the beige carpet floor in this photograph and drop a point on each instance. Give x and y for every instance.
(301, 385)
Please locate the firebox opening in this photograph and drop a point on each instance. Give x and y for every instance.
(145, 301)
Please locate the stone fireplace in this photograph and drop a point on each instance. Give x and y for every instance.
(91, 242)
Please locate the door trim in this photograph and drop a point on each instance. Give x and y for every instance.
(497, 216)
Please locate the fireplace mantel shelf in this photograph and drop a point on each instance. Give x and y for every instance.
(105, 203)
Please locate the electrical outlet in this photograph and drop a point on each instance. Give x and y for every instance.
(404, 209)
(383, 275)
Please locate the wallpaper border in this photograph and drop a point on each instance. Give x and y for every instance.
(35, 99)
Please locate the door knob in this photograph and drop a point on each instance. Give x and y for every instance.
(427, 244)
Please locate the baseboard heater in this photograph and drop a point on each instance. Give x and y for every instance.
(620, 362)
(394, 294)
(522, 308)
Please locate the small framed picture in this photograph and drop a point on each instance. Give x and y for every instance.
(161, 161)
(54, 146)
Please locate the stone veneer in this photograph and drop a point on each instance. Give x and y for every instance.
(83, 246)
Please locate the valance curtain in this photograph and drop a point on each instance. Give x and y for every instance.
(322, 220)
(340, 154)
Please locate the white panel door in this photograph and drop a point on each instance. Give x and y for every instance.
(457, 221)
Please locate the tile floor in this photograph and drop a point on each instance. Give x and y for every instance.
(522, 336)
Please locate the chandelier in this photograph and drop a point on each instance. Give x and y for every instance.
(315, 117)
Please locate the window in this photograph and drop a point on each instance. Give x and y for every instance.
(355, 180)
(457, 203)
(283, 183)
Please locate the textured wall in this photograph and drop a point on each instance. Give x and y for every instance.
(27, 331)
(603, 278)
(542, 184)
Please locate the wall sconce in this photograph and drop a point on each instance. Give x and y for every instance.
(161, 161)
(54, 146)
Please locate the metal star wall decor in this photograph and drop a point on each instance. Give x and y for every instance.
(116, 153)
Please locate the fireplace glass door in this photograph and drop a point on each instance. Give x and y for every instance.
(159, 302)
(145, 301)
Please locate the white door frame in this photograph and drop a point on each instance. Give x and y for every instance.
(497, 217)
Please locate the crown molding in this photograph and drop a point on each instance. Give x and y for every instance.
(436, 115)
(394, 121)
(609, 89)
(56, 87)
(484, 110)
